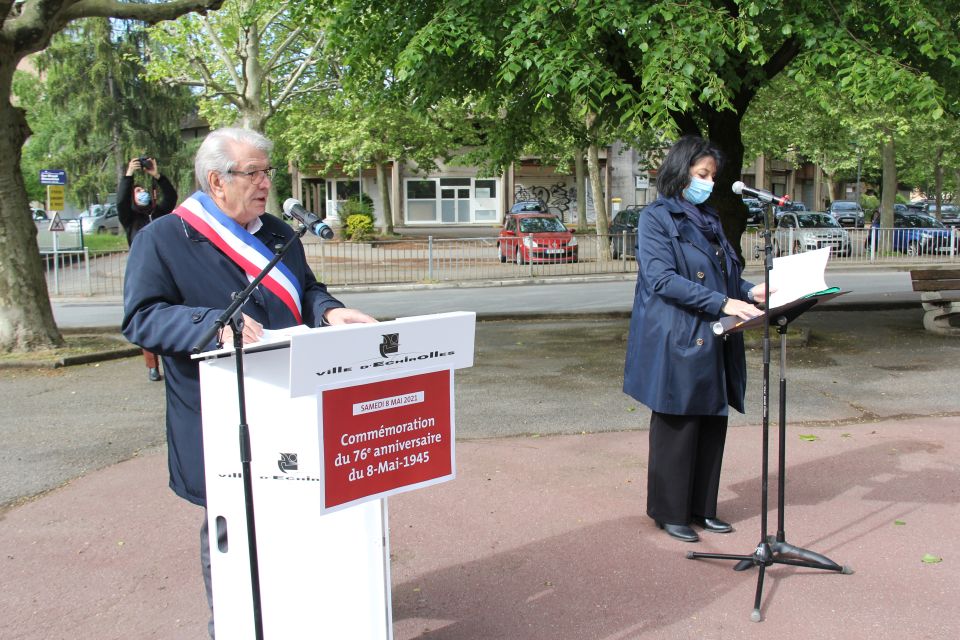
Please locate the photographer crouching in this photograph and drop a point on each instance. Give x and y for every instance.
(136, 207)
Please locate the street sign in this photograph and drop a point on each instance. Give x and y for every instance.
(53, 176)
(56, 224)
(55, 195)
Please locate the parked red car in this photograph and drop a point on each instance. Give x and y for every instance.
(535, 237)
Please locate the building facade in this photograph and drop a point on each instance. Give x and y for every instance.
(460, 196)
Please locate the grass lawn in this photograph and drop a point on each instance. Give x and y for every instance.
(75, 346)
(105, 242)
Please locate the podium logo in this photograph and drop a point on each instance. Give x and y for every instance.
(390, 345)
(287, 462)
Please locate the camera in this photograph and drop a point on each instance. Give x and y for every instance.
(145, 163)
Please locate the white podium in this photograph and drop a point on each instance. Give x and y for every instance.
(339, 418)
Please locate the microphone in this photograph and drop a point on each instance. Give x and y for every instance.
(293, 209)
(765, 196)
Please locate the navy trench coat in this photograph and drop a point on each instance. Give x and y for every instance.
(674, 362)
(177, 284)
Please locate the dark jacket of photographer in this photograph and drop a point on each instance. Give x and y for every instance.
(132, 216)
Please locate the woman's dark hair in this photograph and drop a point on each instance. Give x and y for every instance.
(674, 174)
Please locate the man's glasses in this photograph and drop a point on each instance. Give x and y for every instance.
(257, 175)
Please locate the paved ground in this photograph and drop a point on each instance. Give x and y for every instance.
(542, 534)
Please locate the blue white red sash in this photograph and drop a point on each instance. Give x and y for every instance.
(241, 246)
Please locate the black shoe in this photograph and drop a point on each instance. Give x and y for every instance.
(715, 525)
(154, 374)
(680, 532)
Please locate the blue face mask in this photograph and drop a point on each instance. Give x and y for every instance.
(698, 191)
(143, 198)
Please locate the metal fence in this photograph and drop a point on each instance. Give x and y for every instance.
(437, 260)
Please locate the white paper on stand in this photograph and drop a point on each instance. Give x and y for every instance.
(798, 275)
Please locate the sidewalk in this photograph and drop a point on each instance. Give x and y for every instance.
(500, 299)
(543, 538)
(540, 536)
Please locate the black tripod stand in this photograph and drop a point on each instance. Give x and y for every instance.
(233, 317)
(775, 549)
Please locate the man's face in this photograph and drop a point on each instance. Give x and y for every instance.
(241, 195)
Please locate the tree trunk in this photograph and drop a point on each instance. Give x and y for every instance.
(938, 179)
(580, 178)
(831, 186)
(599, 201)
(384, 187)
(888, 189)
(724, 131)
(26, 317)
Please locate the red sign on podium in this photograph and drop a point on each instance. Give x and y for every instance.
(386, 437)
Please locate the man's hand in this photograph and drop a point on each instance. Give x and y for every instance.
(347, 316)
(153, 171)
(252, 330)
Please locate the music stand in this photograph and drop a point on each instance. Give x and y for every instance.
(773, 549)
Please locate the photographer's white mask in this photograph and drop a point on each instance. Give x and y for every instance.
(142, 198)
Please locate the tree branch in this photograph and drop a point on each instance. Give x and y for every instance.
(149, 13)
(40, 19)
(209, 82)
(295, 76)
(221, 51)
(282, 47)
(281, 8)
(783, 56)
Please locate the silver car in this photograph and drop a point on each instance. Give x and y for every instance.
(99, 218)
(806, 231)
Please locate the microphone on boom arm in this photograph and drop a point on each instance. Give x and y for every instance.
(292, 208)
(765, 196)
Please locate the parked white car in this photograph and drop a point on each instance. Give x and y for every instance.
(798, 232)
(99, 218)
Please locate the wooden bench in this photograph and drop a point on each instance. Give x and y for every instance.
(940, 295)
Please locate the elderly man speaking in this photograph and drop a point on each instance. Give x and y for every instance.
(180, 276)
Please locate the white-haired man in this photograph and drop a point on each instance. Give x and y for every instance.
(182, 271)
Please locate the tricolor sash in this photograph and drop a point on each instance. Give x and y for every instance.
(241, 246)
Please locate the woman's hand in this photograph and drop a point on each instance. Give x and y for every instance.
(741, 309)
(759, 293)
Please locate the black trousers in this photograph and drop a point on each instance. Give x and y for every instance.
(683, 470)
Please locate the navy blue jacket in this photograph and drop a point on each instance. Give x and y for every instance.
(674, 363)
(177, 284)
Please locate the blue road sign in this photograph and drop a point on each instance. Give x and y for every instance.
(53, 176)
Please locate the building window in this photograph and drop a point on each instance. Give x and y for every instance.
(421, 201)
(485, 200)
(451, 200)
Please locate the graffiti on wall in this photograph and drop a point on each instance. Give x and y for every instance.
(560, 198)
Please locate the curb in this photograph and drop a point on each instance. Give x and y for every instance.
(123, 350)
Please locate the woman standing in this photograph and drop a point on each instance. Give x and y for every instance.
(689, 275)
(136, 208)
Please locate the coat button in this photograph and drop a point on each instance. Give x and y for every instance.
(700, 275)
(699, 342)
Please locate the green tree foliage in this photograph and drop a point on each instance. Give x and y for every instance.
(658, 65)
(26, 27)
(248, 61)
(94, 110)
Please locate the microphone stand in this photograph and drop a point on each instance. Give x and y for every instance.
(773, 549)
(234, 318)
